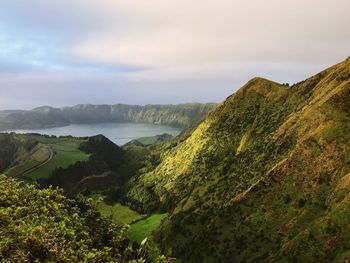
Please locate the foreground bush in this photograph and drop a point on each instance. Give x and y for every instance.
(44, 226)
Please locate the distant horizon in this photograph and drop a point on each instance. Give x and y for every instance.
(104, 104)
(4, 108)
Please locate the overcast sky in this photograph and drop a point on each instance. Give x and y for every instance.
(66, 52)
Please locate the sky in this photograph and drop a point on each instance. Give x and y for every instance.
(66, 52)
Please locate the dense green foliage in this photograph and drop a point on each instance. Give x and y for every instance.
(264, 178)
(182, 115)
(44, 226)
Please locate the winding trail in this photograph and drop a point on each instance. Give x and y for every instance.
(32, 169)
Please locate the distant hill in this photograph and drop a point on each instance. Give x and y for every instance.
(264, 178)
(181, 115)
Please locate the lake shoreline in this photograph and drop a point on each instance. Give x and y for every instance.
(118, 132)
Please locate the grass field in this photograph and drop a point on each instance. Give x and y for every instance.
(124, 215)
(143, 228)
(66, 152)
(119, 213)
(39, 155)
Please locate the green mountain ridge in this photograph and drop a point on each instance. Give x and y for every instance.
(264, 178)
(181, 115)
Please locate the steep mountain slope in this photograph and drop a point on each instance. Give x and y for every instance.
(264, 178)
(181, 115)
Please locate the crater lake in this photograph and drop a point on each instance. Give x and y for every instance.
(119, 133)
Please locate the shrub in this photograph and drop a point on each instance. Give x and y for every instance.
(45, 226)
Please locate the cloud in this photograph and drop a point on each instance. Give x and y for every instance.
(176, 33)
(170, 43)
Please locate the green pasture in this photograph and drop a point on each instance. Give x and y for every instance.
(66, 152)
(144, 228)
(117, 212)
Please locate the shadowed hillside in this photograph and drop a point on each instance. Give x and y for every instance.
(264, 178)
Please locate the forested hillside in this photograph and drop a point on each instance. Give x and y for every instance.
(265, 178)
(181, 115)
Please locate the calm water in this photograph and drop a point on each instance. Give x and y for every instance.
(119, 133)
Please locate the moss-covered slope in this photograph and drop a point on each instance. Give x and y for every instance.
(264, 178)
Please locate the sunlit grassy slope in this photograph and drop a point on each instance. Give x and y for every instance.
(265, 178)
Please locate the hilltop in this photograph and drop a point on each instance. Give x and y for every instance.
(264, 178)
